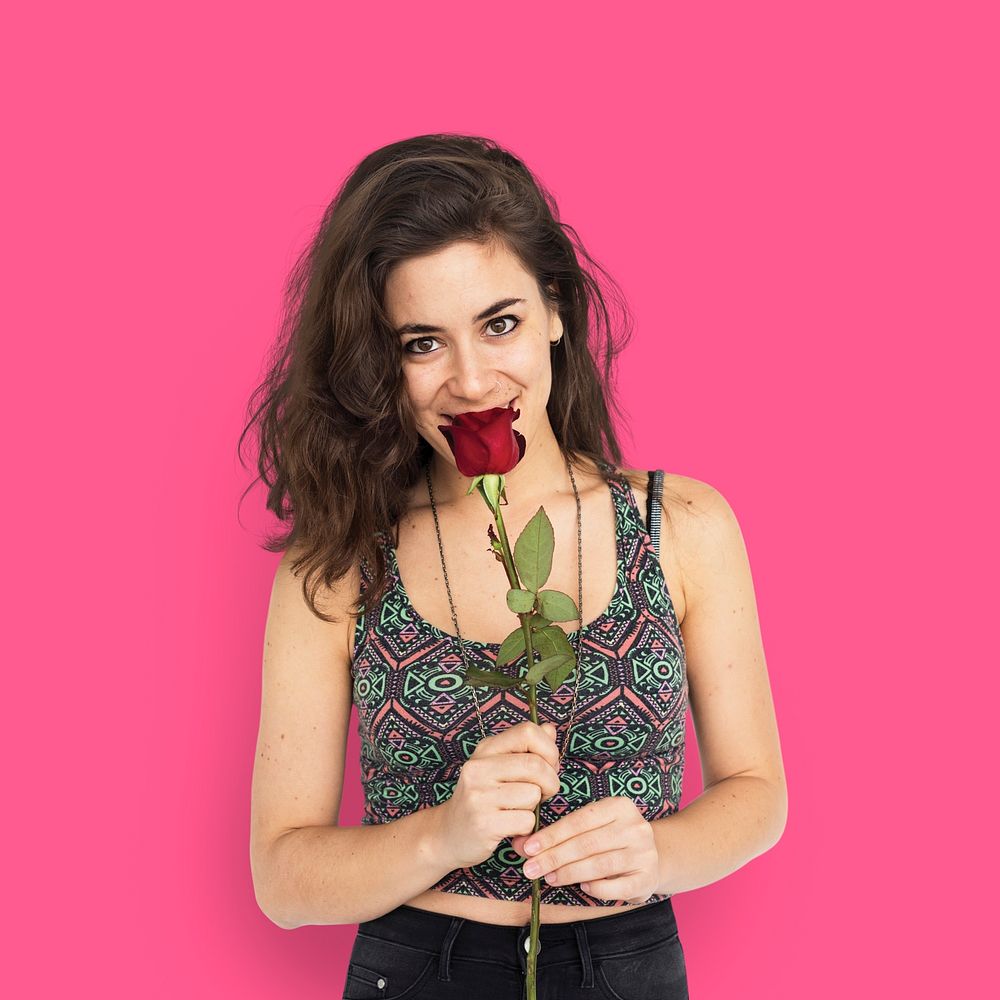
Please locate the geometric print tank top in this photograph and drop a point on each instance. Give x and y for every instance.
(417, 721)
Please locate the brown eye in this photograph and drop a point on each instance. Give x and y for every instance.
(418, 340)
(500, 319)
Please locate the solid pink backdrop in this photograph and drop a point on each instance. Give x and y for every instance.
(801, 207)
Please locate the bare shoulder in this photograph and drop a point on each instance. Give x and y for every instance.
(293, 576)
(687, 503)
(681, 494)
(697, 521)
(710, 544)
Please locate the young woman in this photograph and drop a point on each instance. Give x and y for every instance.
(441, 283)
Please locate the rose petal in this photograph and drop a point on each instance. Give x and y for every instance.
(485, 442)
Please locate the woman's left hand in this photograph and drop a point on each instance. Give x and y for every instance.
(606, 846)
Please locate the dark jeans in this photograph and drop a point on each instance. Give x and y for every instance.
(633, 954)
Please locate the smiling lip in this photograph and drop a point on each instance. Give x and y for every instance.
(508, 406)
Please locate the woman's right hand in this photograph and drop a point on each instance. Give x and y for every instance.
(500, 784)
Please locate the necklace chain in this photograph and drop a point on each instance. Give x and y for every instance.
(454, 617)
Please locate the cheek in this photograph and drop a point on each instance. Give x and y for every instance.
(417, 391)
(526, 369)
(535, 369)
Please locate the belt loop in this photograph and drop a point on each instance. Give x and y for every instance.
(444, 966)
(583, 943)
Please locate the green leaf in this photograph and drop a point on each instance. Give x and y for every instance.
(544, 644)
(484, 678)
(551, 640)
(556, 677)
(520, 601)
(512, 647)
(533, 551)
(542, 667)
(557, 606)
(538, 622)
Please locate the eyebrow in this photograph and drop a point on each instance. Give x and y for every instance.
(485, 314)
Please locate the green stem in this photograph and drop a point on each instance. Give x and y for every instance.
(508, 559)
(536, 892)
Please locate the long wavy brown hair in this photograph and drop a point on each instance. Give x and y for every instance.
(337, 445)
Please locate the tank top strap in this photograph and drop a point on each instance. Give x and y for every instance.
(381, 540)
(366, 575)
(634, 532)
(653, 508)
(362, 625)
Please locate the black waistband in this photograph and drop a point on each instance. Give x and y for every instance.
(625, 931)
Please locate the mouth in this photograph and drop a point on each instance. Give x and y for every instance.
(449, 418)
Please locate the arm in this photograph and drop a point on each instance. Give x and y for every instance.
(344, 875)
(306, 869)
(728, 825)
(744, 806)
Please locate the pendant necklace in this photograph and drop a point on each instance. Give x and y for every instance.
(454, 617)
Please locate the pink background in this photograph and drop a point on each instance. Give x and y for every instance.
(800, 203)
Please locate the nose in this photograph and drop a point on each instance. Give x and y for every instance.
(472, 377)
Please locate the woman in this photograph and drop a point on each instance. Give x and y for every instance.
(440, 283)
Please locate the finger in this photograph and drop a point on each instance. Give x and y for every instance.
(592, 816)
(600, 867)
(522, 738)
(624, 889)
(519, 795)
(518, 844)
(522, 767)
(551, 751)
(568, 852)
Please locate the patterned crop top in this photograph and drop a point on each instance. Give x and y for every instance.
(417, 722)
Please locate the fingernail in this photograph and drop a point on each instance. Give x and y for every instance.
(531, 846)
(532, 868)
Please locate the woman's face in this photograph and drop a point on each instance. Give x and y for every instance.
(480, 320)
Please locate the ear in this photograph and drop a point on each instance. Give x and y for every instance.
(557, 328)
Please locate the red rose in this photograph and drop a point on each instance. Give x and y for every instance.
(485, 443)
